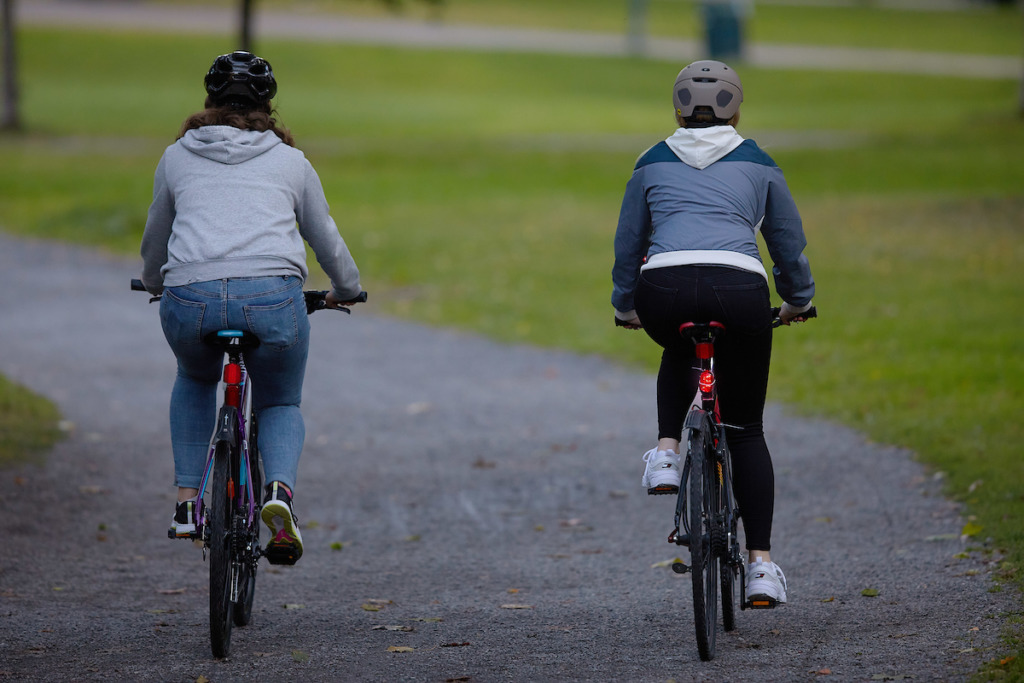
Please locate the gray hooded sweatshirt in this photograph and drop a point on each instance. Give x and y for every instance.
(701, 197)
(225, 204)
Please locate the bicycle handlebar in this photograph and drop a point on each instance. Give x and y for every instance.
(315, 300)
(811, 312)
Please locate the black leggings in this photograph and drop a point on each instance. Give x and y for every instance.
(668, 297)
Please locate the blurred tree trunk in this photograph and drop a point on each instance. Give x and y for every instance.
(245, 30)
(10, 119)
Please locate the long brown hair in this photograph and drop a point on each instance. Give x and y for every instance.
(259, 118)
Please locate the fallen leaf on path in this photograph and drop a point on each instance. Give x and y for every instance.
(291, 605)
(666, 563)
(392, 628)
(829, 599)
(418, 408)
(171, 591)
(432, 620)
(400, 648)
(337, 546)
(300, 656)
(971, 529)
(515, 606)
(454, 644)
(870, 592)
(202, 679)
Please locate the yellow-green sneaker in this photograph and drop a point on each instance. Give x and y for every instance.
(285, 545)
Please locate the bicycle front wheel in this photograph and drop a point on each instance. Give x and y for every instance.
(704, 564)
(221, 607)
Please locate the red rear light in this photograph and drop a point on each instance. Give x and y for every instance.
(705, 350)
(232, 373)
(706, 382)
(233, 395)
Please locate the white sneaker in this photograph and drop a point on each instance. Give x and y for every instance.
(766, 584)
(662, 474)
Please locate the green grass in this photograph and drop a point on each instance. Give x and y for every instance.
(28, 424)
(481, 191)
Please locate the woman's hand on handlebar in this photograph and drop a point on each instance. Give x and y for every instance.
(794, 314)
(334, 302)
(630, 323)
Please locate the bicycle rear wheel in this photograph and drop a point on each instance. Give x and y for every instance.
(704, 564)
(247, 575)
(221, 607)
(728, 529)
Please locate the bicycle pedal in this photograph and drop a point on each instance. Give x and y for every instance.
(761, 602)
(664, 490)
(172, 534)
(680, 568)
(282, 554)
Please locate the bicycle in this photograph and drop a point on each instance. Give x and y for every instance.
(229, 526)
(706, 511)
(706, 516)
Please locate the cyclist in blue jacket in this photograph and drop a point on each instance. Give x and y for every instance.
(233, 203)
(686, 250)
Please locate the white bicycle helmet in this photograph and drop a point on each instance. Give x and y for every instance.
(707, 83)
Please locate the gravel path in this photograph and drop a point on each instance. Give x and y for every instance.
(463, 478)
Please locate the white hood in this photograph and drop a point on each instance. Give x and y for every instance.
(701, 147)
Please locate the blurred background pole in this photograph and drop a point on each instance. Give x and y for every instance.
(636, 29)
(10, 119)
(723, 27)
(245, 32)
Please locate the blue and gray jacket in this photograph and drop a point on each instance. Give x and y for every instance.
(700, 197)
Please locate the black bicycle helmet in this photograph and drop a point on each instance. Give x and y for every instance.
(240, 79)
(707, 83)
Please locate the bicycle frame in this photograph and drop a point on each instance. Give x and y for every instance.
(232, 423)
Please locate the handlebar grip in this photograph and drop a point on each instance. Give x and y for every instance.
(811, 312)
(358, 300)
(137, 285)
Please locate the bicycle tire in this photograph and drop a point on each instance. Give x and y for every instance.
(728, 565)
(703, 563)
(247, 579)
(221, 607)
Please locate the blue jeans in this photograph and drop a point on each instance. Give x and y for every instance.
(273, 309)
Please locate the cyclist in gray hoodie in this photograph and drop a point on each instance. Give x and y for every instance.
(233, 200)
(686, 251)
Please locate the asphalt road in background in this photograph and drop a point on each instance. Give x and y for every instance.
(297, 24)
(485, 496)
